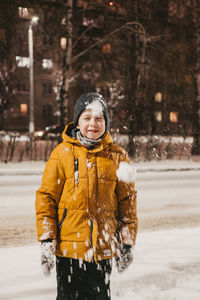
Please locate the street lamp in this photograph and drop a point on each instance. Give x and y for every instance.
(34, 20)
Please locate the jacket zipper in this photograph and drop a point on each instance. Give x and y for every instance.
(91, 231)
(76, 173)
(90, 222)
(62, 220)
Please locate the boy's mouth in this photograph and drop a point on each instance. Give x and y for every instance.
(92, 130)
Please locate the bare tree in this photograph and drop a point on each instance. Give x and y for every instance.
(6, 91)
(196, 124)
(67, 64)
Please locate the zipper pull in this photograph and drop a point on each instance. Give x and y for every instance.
(76, 174)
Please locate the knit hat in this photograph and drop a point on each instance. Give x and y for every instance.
(93, 101)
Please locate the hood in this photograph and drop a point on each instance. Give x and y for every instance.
(68, 135)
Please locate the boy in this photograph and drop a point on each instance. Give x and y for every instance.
(84, 214)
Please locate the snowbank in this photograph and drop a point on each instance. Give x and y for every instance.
(167, 262)
(166, 267)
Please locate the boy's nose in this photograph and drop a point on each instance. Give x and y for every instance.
(92, 121)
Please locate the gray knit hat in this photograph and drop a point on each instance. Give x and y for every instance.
(87, 99)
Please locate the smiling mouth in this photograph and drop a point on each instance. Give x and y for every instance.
(93, 131)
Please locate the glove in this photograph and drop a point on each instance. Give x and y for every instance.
(48, 248)
(124, 259)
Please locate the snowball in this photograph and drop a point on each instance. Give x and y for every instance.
(45, 222)
(106, 235)
(89, 254)
(88, 164)
(126, 173)
(45, 235)
(126, 236)
(80, 262)
(96, 108)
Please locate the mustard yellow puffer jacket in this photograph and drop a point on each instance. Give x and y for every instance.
(82, 204)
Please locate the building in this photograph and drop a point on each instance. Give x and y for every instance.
(144, 69)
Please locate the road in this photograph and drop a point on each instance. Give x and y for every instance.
(166, 200)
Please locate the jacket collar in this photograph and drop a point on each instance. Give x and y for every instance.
(67, 136)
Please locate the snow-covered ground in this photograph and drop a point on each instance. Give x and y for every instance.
(167, 254)
(166, 267)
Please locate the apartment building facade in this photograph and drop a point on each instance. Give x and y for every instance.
(143, 69)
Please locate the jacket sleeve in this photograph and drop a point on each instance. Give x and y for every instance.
(47, 198)
(127, 210)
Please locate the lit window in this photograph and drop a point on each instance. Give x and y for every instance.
(22, 61)
(64, 21)
(107, 48)
(23, 12)
(87, 22)
(158, 97)
(178, 8)
(23, 108)
(47, 63)
(173, 116)
(158, 116)
(114, 3)
(81, 3)
(63, 43)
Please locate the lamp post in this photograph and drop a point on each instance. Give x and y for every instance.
(34, 20)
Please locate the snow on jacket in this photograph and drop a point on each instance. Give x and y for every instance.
(82, 204)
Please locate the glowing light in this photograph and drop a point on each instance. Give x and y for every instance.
(35, 20)
(173, 116)
(112, 3)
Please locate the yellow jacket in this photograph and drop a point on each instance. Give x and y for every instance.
(82, 204)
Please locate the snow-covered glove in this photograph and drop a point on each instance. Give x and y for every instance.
(124, 258)
(48, 248)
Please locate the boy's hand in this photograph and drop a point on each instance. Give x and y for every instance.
(47, 256)
(124, 259)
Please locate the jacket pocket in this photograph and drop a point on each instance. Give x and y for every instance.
(62, 219)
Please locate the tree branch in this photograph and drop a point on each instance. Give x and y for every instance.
(125, 26)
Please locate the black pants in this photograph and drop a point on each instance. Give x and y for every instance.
(81, 280)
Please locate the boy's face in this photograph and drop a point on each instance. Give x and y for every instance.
(91, 126)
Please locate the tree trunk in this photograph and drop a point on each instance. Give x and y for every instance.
(133, 82)
(66, 67)
(196, 124)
